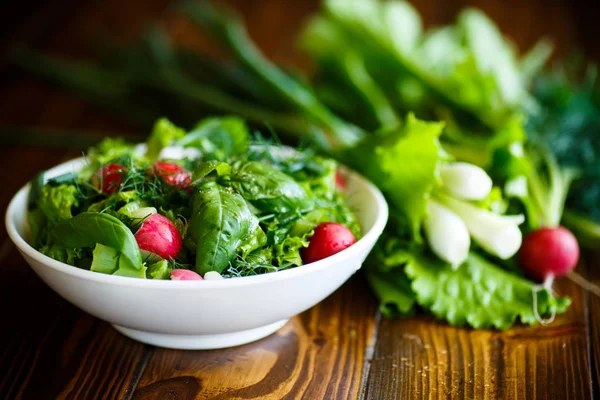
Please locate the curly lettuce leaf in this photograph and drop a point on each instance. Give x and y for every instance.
(404, 164)
(218, 138)
(164, 133)
(287, 253)
(159, 270)
(393, 290)
(107, 151)
(62, 254)
(56, 202)
(478, 293)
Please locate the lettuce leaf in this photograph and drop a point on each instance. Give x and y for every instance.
(105, 259)
(403, 163)
(164, 133)
(107, 151)
(56, 202)
(393, 290)
(219, 138)
(478, 293)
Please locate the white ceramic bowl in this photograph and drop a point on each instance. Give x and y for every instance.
(202, 314)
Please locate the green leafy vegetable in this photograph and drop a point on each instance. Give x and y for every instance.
(267, 188)
(220, 222)
(478, 293)
(56, 202)
(404, 163)
(567, 123)
(163, 134)
(159, 270)
(218, 138)
(106, 259)
(393, 291)
(89, 228)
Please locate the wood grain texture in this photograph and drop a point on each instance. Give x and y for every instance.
(420, 357)
(53, 350)
(317, 355)
(592, 273)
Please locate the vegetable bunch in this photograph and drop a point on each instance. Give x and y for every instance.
(229, 208)
(436, 118)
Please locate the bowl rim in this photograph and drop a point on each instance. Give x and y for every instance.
(20, 198)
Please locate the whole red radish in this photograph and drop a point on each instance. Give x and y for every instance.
(172, 174)
(548, 253)
(109, 178)
(159, 236)
(184, 275)
(328, 239)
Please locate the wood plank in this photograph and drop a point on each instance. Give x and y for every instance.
(317, 355)
(421, 357)
(51, 349)
(593, 313)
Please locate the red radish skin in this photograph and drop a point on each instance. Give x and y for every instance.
(340, 181)
(109, 178)
(184, 275)
(549, 253)
(329, 238)
(172, 174)
(158, 235)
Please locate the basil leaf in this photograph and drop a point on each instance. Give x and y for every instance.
(267, 188)
(89, 228)
(221, 222)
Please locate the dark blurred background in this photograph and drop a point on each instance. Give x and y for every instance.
(67, 27)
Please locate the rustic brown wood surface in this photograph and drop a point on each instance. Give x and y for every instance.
(340, 349)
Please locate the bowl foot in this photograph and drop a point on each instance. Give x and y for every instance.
(201, 342)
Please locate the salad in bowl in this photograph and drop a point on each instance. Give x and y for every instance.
(196, 240)
(216, 206)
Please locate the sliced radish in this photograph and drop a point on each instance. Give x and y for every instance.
(172, 174)
(340, 180)
(159, 236)
(184, 275)
(328, 239)
(109, 178)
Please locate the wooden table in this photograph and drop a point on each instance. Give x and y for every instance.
(341, 348)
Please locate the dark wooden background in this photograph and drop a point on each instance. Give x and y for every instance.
(340, 348)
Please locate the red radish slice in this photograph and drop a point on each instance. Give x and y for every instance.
(109, 178)
(549, 253)
(172, 174)
(184, 275)
(159, 236)
(329, 238)
(340, 181)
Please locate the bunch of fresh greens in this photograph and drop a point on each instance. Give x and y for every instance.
(380, 78)
(568, 124)
(239, 208)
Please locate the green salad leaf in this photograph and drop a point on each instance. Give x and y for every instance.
(221, 221)
(90, 228)
(56, 202)
(163, 134)
(393, 290)
(105, 259)
(267, 188)
(218, 138)
(159, 270)
(403, 163)
(478, 293)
